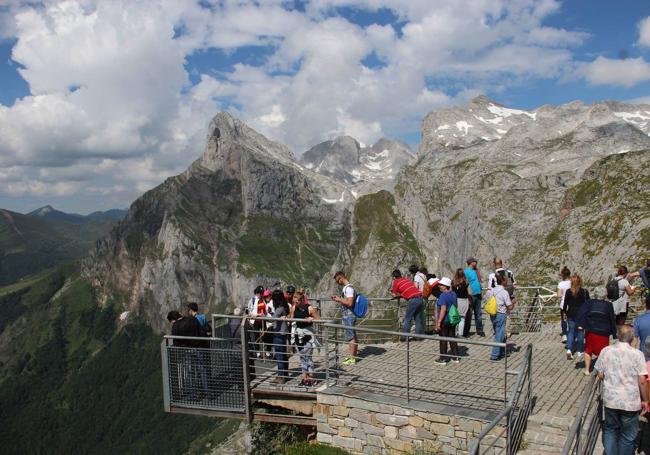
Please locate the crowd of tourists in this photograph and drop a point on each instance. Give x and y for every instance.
(588, 326)
(281, 323)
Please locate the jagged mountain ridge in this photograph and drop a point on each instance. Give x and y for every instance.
(247, 213)
(349, 162)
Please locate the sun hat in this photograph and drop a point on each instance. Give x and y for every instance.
(445, 282)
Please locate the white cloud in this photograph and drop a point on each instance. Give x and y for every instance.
(111, 98)
(625, 72)
(644, 32)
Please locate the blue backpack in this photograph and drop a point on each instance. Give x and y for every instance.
(360, 305)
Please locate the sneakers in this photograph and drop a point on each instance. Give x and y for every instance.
(440, 361)
(579, 355)
(569, 356)
(455, 360)
(349, 361)
(279, 380)
(563, 338)
(586, 373)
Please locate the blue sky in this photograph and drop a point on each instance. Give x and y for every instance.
(101, 101)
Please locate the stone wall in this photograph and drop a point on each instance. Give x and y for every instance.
(369, 427)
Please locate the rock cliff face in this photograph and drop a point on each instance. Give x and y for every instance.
(244, 213)
(557, 185)
(513, 193)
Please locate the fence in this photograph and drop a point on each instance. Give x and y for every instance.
(533, 304)
(588, 422)
(200, 373)
(249, 355)
(504, 434)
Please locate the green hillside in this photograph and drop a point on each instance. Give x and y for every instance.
(30, 244)
(70, 382)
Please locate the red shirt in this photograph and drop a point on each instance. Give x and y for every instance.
(406, 288)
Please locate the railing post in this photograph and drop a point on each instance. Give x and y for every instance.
(505, 375)
(509, 433)
(327, 355)
(165, 374)
(336, 351)
(246, 365)
(408, 369)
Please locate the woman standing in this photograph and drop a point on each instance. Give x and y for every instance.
(463, 298)
(280, 332)
(624, 293)
(574, 298)
(562, 286)
(443, 326)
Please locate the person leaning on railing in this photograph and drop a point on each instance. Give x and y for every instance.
(623, 372)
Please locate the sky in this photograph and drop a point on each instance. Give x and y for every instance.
(101, 101)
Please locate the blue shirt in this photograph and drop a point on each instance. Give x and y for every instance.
(472, 279)
(641, 326)
(201, 318)
(446, 299)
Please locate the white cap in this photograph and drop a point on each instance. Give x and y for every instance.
(445, 282)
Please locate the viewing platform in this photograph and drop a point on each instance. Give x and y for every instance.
(395, 399)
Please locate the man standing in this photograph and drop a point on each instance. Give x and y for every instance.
(623, 371)
(420, 278)
(255, 326)
(598, 319)
(408, 291)
(641, 325)
(474, 279)
(189, 368)
(347, 315)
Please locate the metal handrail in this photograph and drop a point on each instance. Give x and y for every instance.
(524, 373)
(572, 444)
(422, 337)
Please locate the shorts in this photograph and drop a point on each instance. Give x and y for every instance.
(349, 320)
(595, 343)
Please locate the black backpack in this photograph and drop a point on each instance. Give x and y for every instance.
(612, 290)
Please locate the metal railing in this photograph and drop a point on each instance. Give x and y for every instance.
(203, 373)
(588, 422)
(407, 370)
(250, 355)
(505, 432)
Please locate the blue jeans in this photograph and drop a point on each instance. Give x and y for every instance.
(349, 321)
(577, 335)
(414, 310)
(619, 431)
(280, 347)
(499, 326)
(478, 313)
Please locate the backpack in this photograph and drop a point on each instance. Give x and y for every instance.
(360, 307)
(612, 290)
(426, 291)
(491, 306)
(454, 315)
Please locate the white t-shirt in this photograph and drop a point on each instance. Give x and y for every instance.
(563, 285)
(348, 291)
(419, 279)
(622, 286)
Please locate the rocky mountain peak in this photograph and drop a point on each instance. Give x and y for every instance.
(225, 131)
(347, 161)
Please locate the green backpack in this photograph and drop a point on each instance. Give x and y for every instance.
(454, 315)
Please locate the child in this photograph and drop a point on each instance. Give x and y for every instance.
(306, 362)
